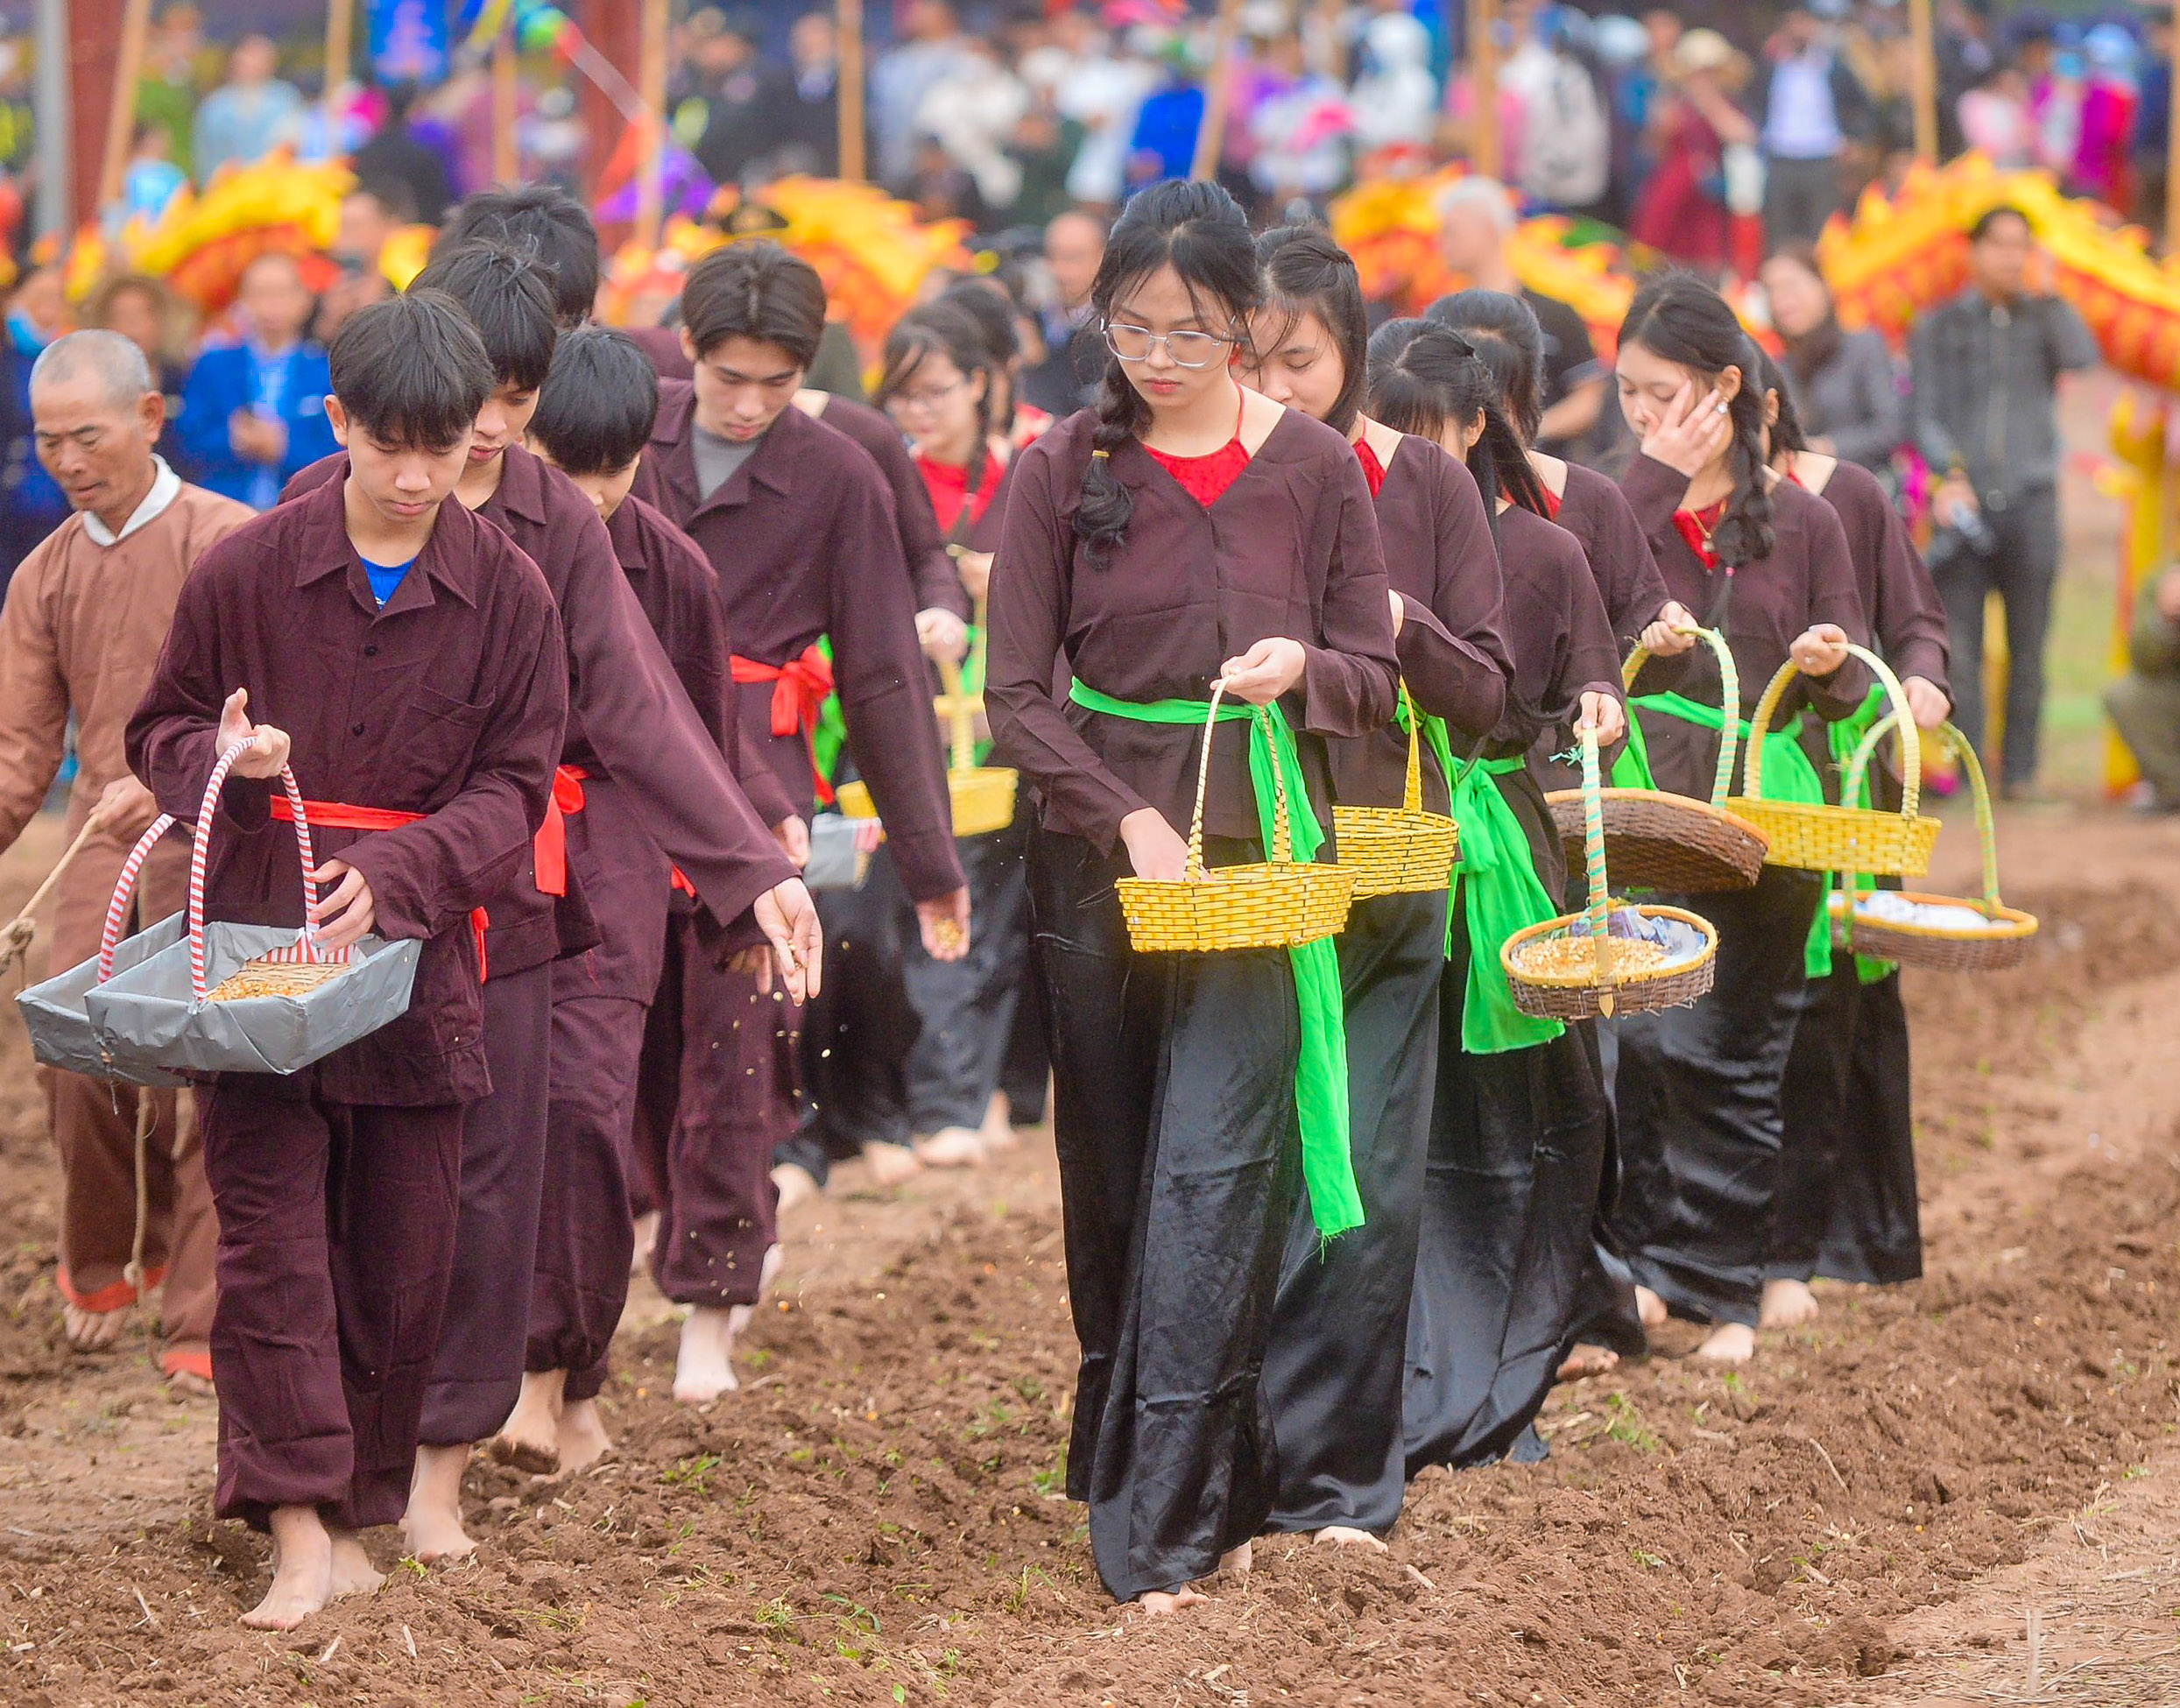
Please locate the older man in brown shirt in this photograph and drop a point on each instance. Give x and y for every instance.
(83, 627)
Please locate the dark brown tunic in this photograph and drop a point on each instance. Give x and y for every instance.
(663, 345)
(1898, 595)
(1441, 559)
(1809, 578)
(803, 541)
(450, 701)
(1596, 511)
(1290, 549)
(930, 566)
(1556, 628)
(621, 691)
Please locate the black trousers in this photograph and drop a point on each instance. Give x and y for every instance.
(1875, 1232)
(1334, 1374)
(2022, 572)
(1699, 1098)
(1799, 196)
(1813, 1106)
(965, 1009)
(1604, 1311)
(1179, 1150)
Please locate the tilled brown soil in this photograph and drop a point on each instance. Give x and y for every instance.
(876, 1517)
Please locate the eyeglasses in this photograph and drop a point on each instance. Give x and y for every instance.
(1183, 350)
(928, 398)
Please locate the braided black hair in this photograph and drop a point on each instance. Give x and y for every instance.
(1305, 272)
(1502, 329)
(1425, 378)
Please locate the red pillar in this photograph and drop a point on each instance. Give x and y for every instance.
(615, 28)
(93, 41)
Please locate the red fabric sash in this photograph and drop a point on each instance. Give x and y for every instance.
(574, 777)
(800, 687)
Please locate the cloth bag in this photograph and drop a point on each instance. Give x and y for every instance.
(157, 1012)
(53, 1011)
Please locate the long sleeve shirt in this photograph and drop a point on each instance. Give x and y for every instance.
(1290, 550)
(449, 701)
(1556, 628)
(1856, 401)
(1985, 377)
(1898, 595)
(1595, 510)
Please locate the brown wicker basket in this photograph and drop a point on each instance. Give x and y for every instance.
(1399, 851)
(1937, 948)
(982, 796)
(1595, 986)
(1817, 837)
(1278, 904)
(1660, 841)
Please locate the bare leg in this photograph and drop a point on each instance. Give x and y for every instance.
(1788, 1304)
(1345, 1536)
(93, 1331)
(1649, 1308)
(1730, 1342)
(353, 1573)
(433, 1523)
(891, 1164)
(997, 1131)
(303, 1571)
(1157, 1603)
(951, 1147)
(1238, 1560)
(1587, 1361)
(704, 1369)
(796, 1183)
(583, 1441)
(646, 1239)
(529, 1440)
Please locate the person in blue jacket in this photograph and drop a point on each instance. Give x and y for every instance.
(253, 413)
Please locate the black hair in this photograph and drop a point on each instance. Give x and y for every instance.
(2004, 211)
(1680, 319)
(393, 194)
(412, 369)
(597, 403)
(1200, 231)
(549, 225)
(1786, 436)
(1303, 272)
(991, 309)
(755, 289)
(944, 327)
(504, 293)
(1425, 378)
(1502, 329)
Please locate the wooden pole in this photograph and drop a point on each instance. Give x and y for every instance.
(1332, 38)
(2172, 155)
(849, 26)
(652, 85)
(1218, 92)
(1483, 85)
(340, 60)
(506, 147)
(1924, 46)
(121, 113)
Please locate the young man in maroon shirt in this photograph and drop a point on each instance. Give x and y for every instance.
(411, 659)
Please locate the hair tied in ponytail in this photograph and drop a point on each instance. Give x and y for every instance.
(1099, 456)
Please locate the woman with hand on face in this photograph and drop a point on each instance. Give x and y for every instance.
(1183, 533)
(1518, 1123)
(1334, 1375)
(1765, 563)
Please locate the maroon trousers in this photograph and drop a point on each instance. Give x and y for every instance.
(477, 1374)
(710, 1167)
(336, 1239)
(585, 1230)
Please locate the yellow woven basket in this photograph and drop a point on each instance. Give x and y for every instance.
(983, 795)
(1826, 839)
(1939, 948)
(1602, 981)
(1403, 849)
(1278, 904)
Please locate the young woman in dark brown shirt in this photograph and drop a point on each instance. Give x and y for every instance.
(1518, 1122)
(1334, 1374)
(1698, 1088)
(1183, 533)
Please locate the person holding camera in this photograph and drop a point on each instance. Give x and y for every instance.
(1985, 369)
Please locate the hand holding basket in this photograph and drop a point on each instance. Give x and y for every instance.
(1403, 849)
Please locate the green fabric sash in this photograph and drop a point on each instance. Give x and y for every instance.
(1846, 736)
(1500, 894)
(1321, 1071)
(1787, 776)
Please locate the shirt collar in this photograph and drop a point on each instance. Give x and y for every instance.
(165, 488)
(522, 487)
(448, 557)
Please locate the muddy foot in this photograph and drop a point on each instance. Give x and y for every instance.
(433, 1524)
(797, 1185)
(1730, 1342)
(1788, 1304)
(93, 1331)
(353, 1573)
(951, 1147)
(1157, 1602)
(1345, 1536)
(1587, 1361)
(891, 1164)
(646, 1239)
(1649, 1308)
(302, 1571)
(583, 1441)
(529, 1440)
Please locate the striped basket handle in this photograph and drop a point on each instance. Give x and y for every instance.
(1987, 826)
(1729, 704)
(307, 945)
(1910, 738)
(125, 893)
(1412, 791)
(1593, 852)
(960, 711)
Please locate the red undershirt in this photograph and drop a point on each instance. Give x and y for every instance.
(948, 483)
(1696, 527)
(1551, 502)
(1206, 478)
(1374, 470)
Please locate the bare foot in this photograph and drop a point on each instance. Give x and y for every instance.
(891, 1164)
(1157, 1602)
(529, 1440)
(1345, 1536)
(1788, 1304)
(303, 1571)
(433, 1523)
(1649, 1308)
(951, 1147)
(583, 1441)
(1238, 1560)
(1730, 1342)
(353, 1573)
(187, 1384)
(997, 1131)
(796, 1184)
(646, 1240)
(704, 1369)
(92, 1330)
(1587, 1361)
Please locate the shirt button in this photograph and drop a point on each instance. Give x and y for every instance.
(372, 651)
(355, 728)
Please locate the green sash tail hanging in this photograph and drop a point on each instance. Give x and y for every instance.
(1321, 1072)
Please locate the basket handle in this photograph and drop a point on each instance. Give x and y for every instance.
(1986, 825)
(308, 942)
(1729, 702)
(1412, 792)
(960, 711)
(1283, 849)
(124, 892)
(1593, 853)
(1910, 739)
